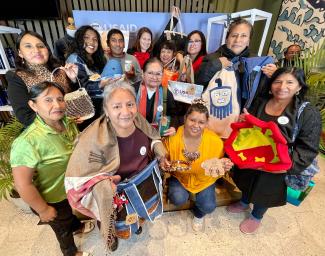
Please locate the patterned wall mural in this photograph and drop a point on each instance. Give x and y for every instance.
(300, 22)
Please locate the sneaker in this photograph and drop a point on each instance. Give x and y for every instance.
(197, 224)
(237, 207)
(250, 225)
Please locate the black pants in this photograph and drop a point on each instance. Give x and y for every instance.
(63, 226)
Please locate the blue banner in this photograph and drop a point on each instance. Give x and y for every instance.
(156, 21)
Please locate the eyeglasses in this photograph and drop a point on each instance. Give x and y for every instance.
(152, 74)
(194, 42)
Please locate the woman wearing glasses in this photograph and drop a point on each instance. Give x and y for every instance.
(196, 48)
(150, 96)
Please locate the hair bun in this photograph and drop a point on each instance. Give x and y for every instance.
(199, 101)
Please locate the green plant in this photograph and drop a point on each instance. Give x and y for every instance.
(8, 133)
(312, 62)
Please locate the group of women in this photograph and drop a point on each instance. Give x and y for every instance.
(125, 135)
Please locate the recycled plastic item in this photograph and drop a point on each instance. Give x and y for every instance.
(255, 144)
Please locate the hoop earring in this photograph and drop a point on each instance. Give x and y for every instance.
(270, 92)
(297, 93)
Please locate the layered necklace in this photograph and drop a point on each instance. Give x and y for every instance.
(191, 156)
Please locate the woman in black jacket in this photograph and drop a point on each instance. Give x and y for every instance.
(34, 64)
(287, 88)
(238, 38)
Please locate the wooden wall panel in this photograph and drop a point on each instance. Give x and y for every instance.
(51, 30)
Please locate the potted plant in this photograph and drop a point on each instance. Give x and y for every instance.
(312, 61)
(8, 133)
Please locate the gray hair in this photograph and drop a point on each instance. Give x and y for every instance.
(120, 84)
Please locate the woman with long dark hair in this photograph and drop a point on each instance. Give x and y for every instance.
(286, 91)
(34, 64)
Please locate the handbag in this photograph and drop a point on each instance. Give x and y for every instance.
(256, 144)
(178, 37)
(295, 197)
(301, 181)
(78, 102)
(143, 193)
(222, 101)
(186, 72)
(169, 74)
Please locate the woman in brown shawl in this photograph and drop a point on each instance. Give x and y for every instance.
(116, 146)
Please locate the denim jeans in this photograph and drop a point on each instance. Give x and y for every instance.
(205, 201)
(258, 211)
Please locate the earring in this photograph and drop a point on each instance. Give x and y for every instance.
(22, 60)
(297, 93)
(270, 92)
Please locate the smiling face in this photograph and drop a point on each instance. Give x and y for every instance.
(33, 50)
(239, 38)
(152, 76)
(116, 45)
(285, 86)
(49, 105)
(145, 41)
(90, 42)
(195, 123)
(166, 55)
(121, 109)
(194, 45)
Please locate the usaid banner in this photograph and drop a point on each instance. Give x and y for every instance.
(155, 21)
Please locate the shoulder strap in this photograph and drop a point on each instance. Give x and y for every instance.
(296, 127)
(165, 90)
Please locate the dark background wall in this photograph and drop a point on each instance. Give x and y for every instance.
(54, 29)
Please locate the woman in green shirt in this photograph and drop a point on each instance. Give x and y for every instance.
(39, 157)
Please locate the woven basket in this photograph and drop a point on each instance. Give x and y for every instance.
(78, 103)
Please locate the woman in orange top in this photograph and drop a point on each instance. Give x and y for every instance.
(197, 146)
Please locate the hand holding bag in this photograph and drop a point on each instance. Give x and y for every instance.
(178, 37)
(169, 73)
(144, 195)
(222, 102)
(78, 103)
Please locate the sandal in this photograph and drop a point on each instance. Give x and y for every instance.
(87, 227)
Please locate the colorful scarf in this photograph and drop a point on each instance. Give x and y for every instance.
(142, 103)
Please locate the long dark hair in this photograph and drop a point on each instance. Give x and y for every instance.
(203, 50)
(137, 45)
(298, 73)
(21, 64)
(98, 59)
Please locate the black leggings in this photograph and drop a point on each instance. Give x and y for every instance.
(63, 226)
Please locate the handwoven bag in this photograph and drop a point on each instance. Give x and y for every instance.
(144, 195)
(78, 102)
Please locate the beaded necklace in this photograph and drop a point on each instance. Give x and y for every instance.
(191, 156)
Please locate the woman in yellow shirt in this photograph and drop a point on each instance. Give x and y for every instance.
(196, 146)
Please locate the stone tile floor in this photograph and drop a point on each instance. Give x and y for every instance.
(287, 231)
